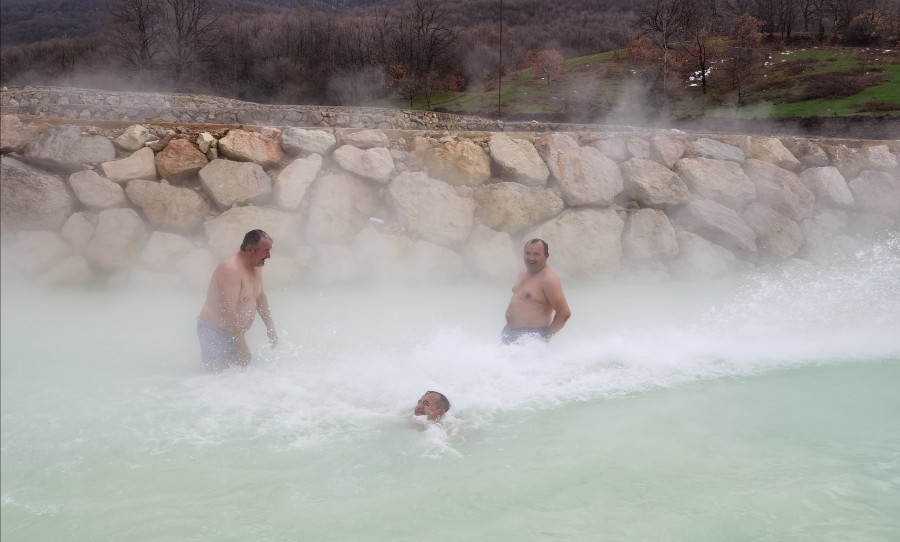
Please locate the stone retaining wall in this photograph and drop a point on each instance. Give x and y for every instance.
(155, 205)
(100, 105)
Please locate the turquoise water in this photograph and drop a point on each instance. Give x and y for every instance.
(761, 408)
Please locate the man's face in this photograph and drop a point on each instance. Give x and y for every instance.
(535, 258)
(260, 255)
(428, 406)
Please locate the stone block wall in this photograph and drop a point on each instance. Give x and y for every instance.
(99, 105)
(154, 205)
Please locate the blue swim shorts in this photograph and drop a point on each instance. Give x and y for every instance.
(512, 334)
(217, 346)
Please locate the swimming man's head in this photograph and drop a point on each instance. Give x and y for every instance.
(432, 405)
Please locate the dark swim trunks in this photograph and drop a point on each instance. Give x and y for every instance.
(512, 334)
(217, 347)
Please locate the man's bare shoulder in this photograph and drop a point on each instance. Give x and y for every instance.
(549, 275)
(228, 268)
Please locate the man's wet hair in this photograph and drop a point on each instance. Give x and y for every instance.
(252, 239)
(541, 241)
(443, 402)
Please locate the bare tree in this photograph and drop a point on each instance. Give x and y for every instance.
(137, 32)
(664, 21)
(425, 40)
(189, 35)
(743, 56)
(546, 63)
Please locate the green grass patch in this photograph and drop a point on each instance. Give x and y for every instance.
(825, 81)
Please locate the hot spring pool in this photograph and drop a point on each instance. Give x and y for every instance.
(761, 408)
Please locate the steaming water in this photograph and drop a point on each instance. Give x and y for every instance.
(760, 408)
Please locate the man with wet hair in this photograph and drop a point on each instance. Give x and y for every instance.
(433, 405)
(538, 307)
(235, 294)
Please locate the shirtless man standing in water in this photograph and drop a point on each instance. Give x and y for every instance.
(538, 307)
(235, 294)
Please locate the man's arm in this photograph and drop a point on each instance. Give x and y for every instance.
(557, 300)
(228, 282)
(262, 307)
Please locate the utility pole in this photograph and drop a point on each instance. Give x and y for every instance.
(500, 66)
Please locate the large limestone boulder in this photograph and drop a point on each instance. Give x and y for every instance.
(873, 226)
(638, 147)
(833, 221)
(281, 271)
(612, 147)
(429, 209)
(699, 259)
(583, 242)
(71, 272)
(810, 154)
(133, 138)
(381, 255)
(394, 258)
(31, 199)
(118, 240)
(666, 149)
(300, 141)
(509, 207)
(140, 165)
(197, 266)
(777, 236)
(720, 225)
(96, 192)
(722, 181)
(821, 246)
(247, 146)
(375, 163)
(851, 162)
(15, 135)
(828, 185)
(38, 251)
(226, 231)
(164, 250)
(649, 236)
(429, 262)
(490, 253)
(362, 139)
(168, 207)
(340, 205)
(715, 150)
(877, 192)
(458, 162)
(780, 189)
(179, 160)
(550, 146)
(586, 177)
(78, 230)
(519, 161)
(772, 150)
(294, 180)
(652, 185)
(235, 183)
(65, 149)
(334, 264)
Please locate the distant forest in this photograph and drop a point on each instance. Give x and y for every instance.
(371, 52)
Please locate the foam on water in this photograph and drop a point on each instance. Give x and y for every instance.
(352, 362)
(108, 418)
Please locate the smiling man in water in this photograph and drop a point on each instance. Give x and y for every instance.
(235, 294)
(433, 405)
(538, 307)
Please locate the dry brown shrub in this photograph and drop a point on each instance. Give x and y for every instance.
(830, 86)
(798, 66)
